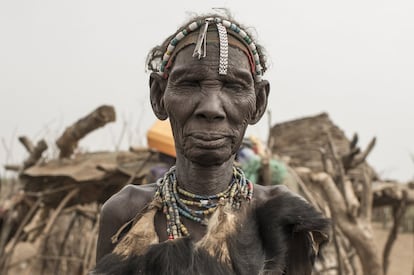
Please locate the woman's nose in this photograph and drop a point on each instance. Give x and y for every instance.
(210, 107)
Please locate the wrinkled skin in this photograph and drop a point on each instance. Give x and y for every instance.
(209, 114)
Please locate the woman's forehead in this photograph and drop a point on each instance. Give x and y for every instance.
(237, 59)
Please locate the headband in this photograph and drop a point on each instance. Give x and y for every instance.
(237, 38)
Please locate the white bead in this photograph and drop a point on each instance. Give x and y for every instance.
(179, 36)
(242, 33)
(165, 57)
(193, 26)
(226, 23)
(252, 46)
(170, 48)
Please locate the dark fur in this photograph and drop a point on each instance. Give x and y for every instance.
(273, 238)
(173, 257)
(284, 223)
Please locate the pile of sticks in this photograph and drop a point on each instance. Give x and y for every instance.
(341, 184)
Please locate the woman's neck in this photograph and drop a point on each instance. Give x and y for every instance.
(206, 180)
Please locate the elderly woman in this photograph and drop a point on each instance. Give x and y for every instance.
(204, 216)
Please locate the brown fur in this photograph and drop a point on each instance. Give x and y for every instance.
(140, 237)
(221, 225)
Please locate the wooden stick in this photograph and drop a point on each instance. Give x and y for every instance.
(366, 196)
(349, 253)
(354, 141)
(40, 242)
(56, 213)
(51, 191)
(297, 173)
(68, 141)
(65, 238)
(339, 166)
(398, 214)
(87, 258)
(353, 151)
(360, 158)
(352, 228)
(13, 167)
(12, 244)
(351, 199)
(27, 143)
(337, 250)
(38, 150)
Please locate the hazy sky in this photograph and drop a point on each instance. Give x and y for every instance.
(59, 60)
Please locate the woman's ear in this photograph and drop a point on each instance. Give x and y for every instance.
(157, 88)
(262, 92)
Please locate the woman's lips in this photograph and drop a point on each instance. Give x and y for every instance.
(208, 140)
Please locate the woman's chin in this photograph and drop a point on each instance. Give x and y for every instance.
(209, 157)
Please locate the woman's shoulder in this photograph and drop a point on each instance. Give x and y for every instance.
(118, 210)
(129, 201)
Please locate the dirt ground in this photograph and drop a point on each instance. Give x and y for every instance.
(402, 254)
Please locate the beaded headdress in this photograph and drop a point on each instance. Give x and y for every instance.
(238, 38)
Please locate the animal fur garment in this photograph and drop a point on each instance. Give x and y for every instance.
(281, 236)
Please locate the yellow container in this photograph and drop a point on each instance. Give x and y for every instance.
(160, 138)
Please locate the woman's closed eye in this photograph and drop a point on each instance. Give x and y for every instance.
(236, 86)
(189, 83)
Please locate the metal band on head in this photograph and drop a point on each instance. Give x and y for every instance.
(200, 48)
(224, 49)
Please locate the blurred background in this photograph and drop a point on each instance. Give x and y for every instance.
(60, 60)
(352, 59)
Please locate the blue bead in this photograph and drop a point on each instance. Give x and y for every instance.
(174, 42)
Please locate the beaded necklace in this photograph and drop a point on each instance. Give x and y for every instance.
(177, 201)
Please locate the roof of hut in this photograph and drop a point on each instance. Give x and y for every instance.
(306, 141)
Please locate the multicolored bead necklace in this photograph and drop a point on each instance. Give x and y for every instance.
(177, 201)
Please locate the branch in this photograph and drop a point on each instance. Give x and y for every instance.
(353, 151)
(38, 150)
(360, 158)
(391, 193)
(351, 199)
(354, 141)
(69, 139)
(361, 239)
(355, 157)
(12, 167)
(16, 238)
(337, 250)
(27, 143)
(326, 162)
(398, 213)
(297, 174)
(366, 196)
(340, 167)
